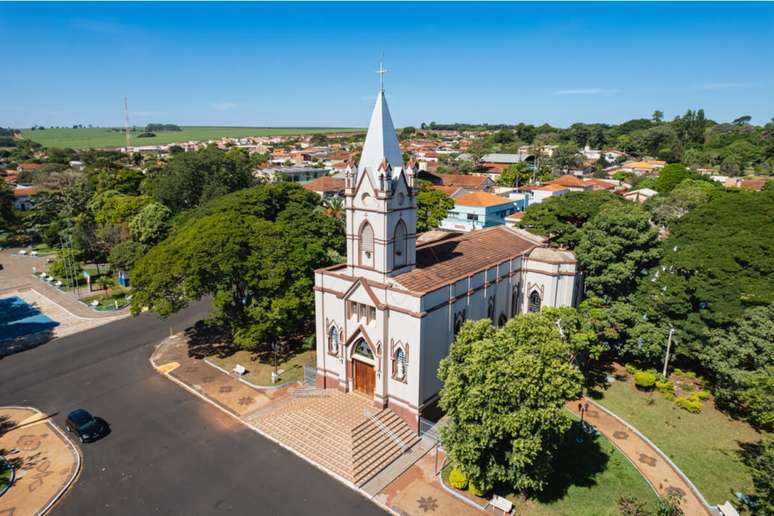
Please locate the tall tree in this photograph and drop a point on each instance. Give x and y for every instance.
(504, 392)
(617, 245)
(432, 207)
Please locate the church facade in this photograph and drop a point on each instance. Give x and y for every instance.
(386, 317)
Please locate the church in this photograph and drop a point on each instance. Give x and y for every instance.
(386, 317)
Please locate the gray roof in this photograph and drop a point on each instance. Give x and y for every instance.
(502, 158)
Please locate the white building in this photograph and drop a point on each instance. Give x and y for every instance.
(386, 317)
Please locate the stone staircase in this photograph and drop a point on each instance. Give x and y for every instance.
(335, 431)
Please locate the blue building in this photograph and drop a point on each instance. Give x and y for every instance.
(478, 210)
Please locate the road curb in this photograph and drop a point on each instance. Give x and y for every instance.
(201, 396)
(78, 461)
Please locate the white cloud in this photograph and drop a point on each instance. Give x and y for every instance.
(587, 91)
(224, 106)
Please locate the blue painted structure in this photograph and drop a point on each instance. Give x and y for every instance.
(19, 318)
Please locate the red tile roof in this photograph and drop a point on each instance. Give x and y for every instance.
(465, 181)
(441, 263)
(481, 199)
(325, 184)
(569, 181)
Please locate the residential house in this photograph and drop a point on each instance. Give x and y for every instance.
(642, 195)
(326, 186)
(291, 174)
(479, 210)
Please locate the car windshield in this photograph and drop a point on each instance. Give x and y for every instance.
(89, 426)
(80, 417)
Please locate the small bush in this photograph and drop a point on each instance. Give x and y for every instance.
(669, 396)
(665, 387)
(678, 372)
(631, 369)
(457, 479)
(644, 380)
(701, 395)
(690, 375)
(690, 404)
(474, 490)
(310, 343)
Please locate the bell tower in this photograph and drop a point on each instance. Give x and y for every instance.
(380, 201)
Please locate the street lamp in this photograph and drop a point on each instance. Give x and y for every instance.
(666, 357)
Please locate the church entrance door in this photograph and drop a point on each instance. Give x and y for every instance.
(365, 378)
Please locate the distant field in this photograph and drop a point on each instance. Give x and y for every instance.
(103, 137)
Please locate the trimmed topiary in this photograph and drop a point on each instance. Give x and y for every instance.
(458, 479)
(665, 387)
(644, 380)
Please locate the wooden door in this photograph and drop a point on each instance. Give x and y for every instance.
(365, 378)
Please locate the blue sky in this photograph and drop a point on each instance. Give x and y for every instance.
(314, 64)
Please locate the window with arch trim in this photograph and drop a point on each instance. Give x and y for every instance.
(514, 301)
(333, 341)
(490, 309)
(459, 320)
(399, 365)
(367, 245)
(399, 244)
(362, 349)
(534, 302)
(502, 320)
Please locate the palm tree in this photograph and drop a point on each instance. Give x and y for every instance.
(334, 207)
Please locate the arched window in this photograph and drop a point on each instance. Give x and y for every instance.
(502, 320)
(399, 365)
(459, 320)
(490, 309)
(399, 244)
(333, 341)
(362, 349)
(534, 302)
(367, 245)
(514, 301)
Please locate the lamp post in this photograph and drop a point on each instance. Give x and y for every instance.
(666, 357)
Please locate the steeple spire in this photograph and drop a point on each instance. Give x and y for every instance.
(381, 143)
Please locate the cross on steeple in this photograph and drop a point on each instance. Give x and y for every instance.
(381, 71)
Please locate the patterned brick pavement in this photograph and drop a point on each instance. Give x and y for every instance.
(46, 462)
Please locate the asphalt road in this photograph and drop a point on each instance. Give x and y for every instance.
(169, 452)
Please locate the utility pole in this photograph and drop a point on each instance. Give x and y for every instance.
(666, 358)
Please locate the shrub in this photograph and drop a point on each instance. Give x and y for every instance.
(644, 380)
(457, 479)
(474, 490)
(631, 369)
(669, 396)
(310, 343)
(665, 387)
(690, 375)
(690, 404)
(701, 395)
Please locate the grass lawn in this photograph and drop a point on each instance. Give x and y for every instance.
(259, 370)
(588, 479)
(705, 446)
(108, 301)
(105, 137)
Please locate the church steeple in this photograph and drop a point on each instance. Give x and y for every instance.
(381, 142)
(380, 198)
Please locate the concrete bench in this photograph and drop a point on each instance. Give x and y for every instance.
(501, 503)
(239, 370)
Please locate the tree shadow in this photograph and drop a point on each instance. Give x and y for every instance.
(32, 340)
(576, 464)
(205, 340)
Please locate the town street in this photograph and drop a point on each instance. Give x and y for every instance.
(169, 452)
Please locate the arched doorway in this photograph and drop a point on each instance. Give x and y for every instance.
(363, 374)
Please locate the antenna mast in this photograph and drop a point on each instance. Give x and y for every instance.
(126, 122)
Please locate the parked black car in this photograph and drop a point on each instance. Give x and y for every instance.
(87, 427)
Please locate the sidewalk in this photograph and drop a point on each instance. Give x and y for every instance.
(17, 275)
(401, 488)
(45, 461)
(650, 461)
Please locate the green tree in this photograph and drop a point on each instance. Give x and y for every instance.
(124, 255)
(191, 179)
(740, 360)
(617, 245)
(432, 207)
(565, 158)
(562, 218)
(113, 207)
(515, 175)
(259, 271)
(760, 459)
(150, 224)
(657, 116)
(687, 195)
(7, 213)
(504, 392)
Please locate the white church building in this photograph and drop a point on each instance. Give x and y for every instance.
(386, 317)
